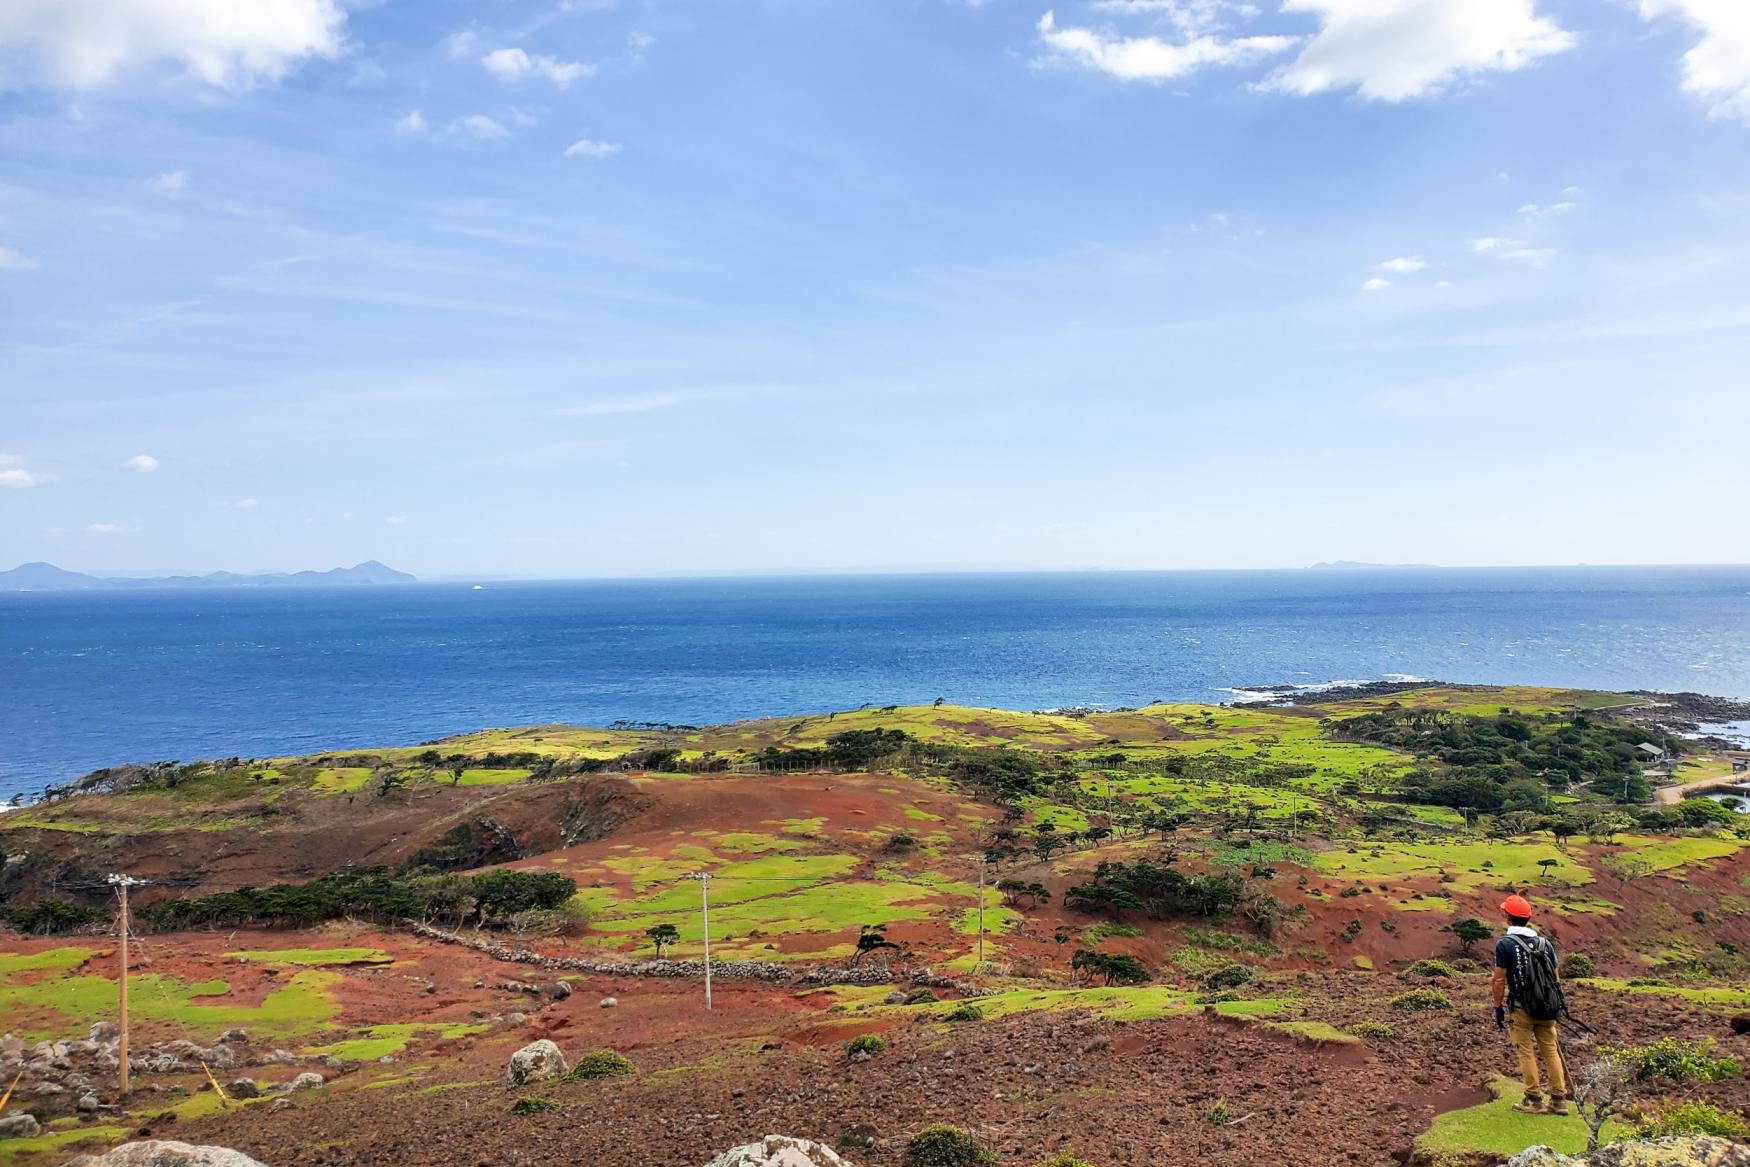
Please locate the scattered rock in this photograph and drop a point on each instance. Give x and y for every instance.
(1681, 1151)
(235, 1037)
(244, 1088)
(560, 990)
(89, 1103)
(516, 1018)
(19, 1126)
(610, 1002)
(105, 1031)
(535, 1062)
(308, 1080)
(165, 1153)
(780, 1151)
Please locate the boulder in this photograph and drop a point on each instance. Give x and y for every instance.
(1678, 1151)
(535, 1062)
(19, 1126)
(244, 1088)
(560, 990)
(165, 1153)
(88, 1103)
(610, 1002)
(105, 1031)
(308, 1080)
(234, 1037)
(780, 1151)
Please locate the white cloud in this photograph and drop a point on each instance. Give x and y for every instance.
(84, 44)
(1189, 17)
(246, 504)
(1391, 50)
(478, 125)
(1375, 285)
(1717, 69)
(1147, 58)
(1540, 211)
(413, 123)
(11, 260)
(1516, 250)
(144, 463)
(1403, 265)
(585, 148)
(514, 64)
(172, 183)
(394, 520)
(461, 44)
(102, 528)
(18, 478)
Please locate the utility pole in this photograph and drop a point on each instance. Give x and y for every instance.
(704, 878)
(980, 911)
(122, 884)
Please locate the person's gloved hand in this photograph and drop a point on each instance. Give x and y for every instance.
(1500, 1017)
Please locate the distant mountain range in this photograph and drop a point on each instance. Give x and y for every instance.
(46, 577)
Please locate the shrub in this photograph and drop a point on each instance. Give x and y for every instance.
(603, 1063)
(867, 1043)
(1063, 1161)
(1215, 998)
(1576, 965)
(1419, 1000)
(1376, 1029)
(965, 1011)
(921, 997)
(945, 1146)
(1431, 968)
(1218, 1114)
(1228, 976)
(525, 1106)
(1695, 1118)
(1679, 1061)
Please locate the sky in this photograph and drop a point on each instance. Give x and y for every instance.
(570, 288)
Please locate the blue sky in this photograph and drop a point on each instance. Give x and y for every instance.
(595, 288)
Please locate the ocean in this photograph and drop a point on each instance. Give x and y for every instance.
(95, 679)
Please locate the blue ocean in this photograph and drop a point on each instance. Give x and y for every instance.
(94, 679)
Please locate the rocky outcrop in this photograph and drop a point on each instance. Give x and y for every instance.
(19, 1126)
(165, 1153)
(535, 1062)
(1681, 1151)
(779, 1151)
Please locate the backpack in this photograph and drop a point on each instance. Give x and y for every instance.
(1538, 992)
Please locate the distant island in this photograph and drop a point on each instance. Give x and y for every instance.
(46, 577)
(1353, 565)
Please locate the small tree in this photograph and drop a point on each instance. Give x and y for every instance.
(871, 939)
(662, 936)
(456, 772)
(1469, 931)
(1546, 864)
(1627, 868)
(1601, 1089)
(388, 778)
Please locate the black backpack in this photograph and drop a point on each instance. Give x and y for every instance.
(1538, 991)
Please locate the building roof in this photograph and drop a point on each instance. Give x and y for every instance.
(1650, 748)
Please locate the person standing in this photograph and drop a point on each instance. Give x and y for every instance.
(1528, 1003)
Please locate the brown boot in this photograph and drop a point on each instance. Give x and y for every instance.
(1530, 1106)
(1558, 1106)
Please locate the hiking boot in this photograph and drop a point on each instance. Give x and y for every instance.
(1558, 1106)
(1530, 1106)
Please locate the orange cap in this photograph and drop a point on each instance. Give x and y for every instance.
(1517, 906)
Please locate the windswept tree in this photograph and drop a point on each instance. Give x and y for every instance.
(662, 936)
(1469, 931)
(873, 938)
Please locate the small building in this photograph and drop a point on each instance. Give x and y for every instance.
(1652, 751)
(1740, 765)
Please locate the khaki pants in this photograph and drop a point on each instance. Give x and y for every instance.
(1535, 1040)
